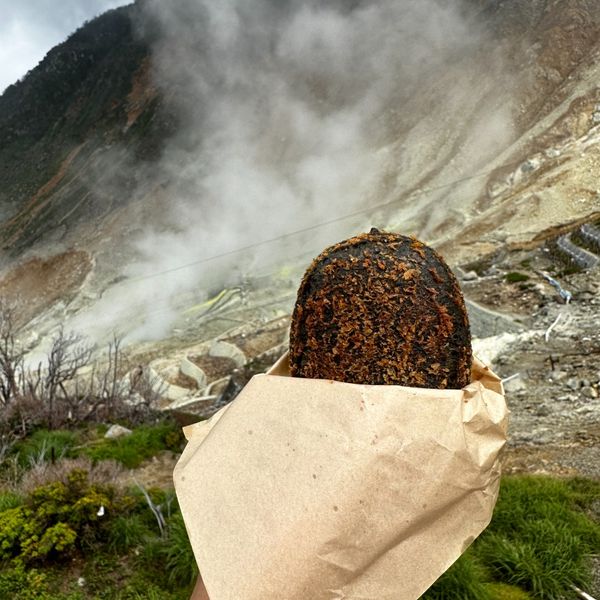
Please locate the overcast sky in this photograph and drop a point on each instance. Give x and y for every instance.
(29, 28)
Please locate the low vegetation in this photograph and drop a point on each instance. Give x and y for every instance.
(77, 537)
(72, 528)
(538, 544)
(516, 277)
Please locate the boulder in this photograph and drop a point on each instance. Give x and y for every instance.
(117, 431)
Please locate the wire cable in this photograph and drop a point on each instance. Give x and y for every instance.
(284, 236)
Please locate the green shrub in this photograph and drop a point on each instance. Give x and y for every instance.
(25, 584)
(58, 518)
(145, 442)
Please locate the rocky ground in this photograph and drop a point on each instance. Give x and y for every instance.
(546, 350)
(551, 365)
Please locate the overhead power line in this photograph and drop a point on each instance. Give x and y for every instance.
(284, 236)
(369, 209)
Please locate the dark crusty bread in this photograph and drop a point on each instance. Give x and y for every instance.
(381, 308)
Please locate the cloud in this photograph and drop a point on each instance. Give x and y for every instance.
(29, 29)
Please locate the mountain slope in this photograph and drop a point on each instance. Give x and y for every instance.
(487, 140)
(89, 93)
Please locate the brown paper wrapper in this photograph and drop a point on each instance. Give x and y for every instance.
(306, 489)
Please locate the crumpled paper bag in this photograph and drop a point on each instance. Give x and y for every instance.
(306, 489)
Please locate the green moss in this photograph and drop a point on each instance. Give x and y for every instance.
(515, 277)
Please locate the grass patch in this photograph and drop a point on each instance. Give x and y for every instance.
(179, 558)
(46, 446)
(9, 500)
(540, 536)
(465, 580)
(139, 575)
(503, 591)
(537, 545)
(145, 442)
(126, 532)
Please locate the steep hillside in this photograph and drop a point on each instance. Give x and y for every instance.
(89, 95)
(546, 179)
(167, 173)
(479, 133)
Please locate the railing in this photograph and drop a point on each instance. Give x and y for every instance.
(582, 258)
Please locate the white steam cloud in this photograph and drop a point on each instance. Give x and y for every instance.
(298, 112)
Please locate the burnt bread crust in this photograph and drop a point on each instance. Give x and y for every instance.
(381, 309)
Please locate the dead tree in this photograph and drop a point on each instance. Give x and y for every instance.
(106, 389)
(68, 353)
(11, 356)
(111, 388)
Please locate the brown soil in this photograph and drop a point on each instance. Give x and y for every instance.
(35, 285)
(254, 344)
(155, 472)
(516, 298)
(183, 381)
(215, 367)
(142, 92)
(37, 202)
(538, 461)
